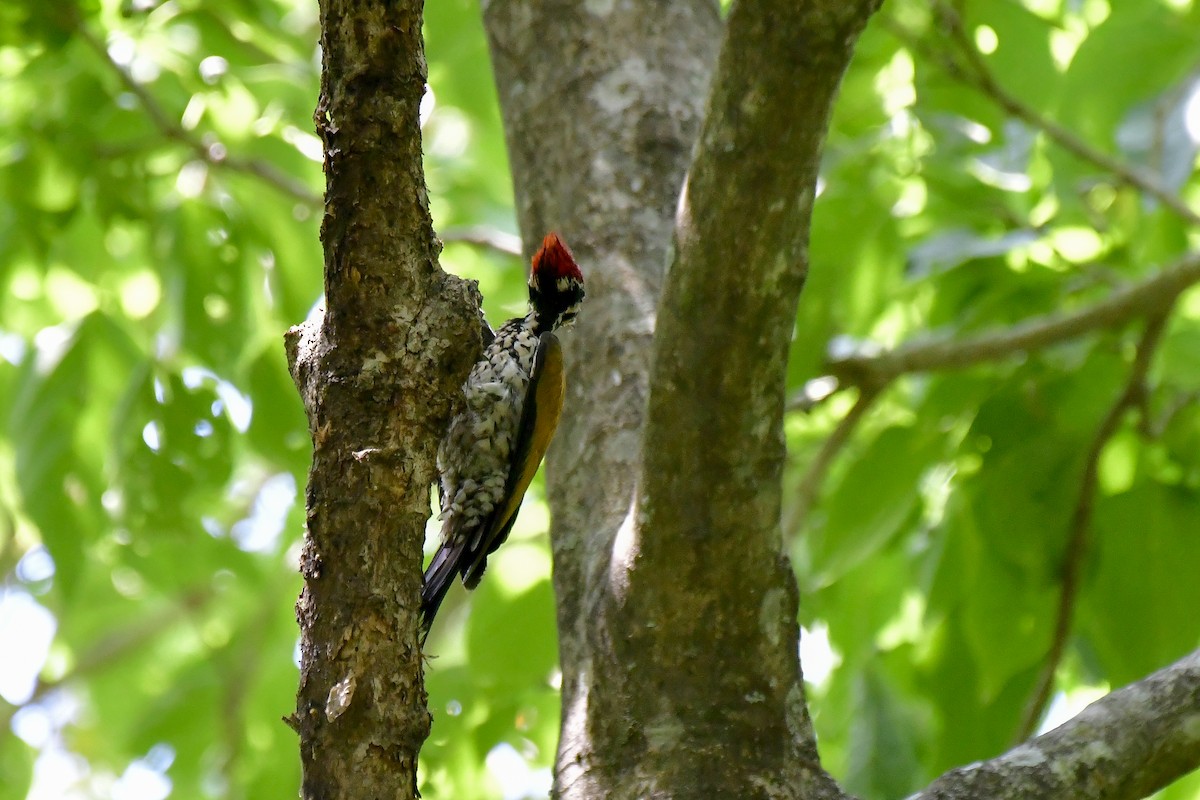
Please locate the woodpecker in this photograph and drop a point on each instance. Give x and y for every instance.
(491, 450)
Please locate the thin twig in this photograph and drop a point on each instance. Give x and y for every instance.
(1081, 522)
(245, 661)
(814, 476)
(115, 646)
(1154, 427)
(979, 75)
(1148, 297)
(214, 153)
(481, 236)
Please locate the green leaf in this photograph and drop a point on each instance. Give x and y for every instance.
(512, 660)
(59, 426)
(861, 605)
(278, 429)
(16, 765)
(971, 723)
(955, 560)
(1157, 46)
(1022, 59)
(1138, 604)
(1009, 627)
(883, 757)
(873, 500)
(1179, 357)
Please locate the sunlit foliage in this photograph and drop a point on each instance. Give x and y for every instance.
(160, 195)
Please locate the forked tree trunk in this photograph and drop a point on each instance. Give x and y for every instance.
(677, 610)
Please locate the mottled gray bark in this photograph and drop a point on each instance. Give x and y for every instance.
(1124, 746)
(377, 372)
(602, 103)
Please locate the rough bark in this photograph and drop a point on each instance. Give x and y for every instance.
(376, 372)
(1126, 745)
(677, 613)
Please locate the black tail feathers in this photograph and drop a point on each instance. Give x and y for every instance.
(438, 579)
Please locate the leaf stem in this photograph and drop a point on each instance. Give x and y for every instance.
(1132, 396)
(212, 153)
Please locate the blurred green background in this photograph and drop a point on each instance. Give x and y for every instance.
(159, 204)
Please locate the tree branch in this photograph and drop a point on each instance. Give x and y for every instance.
(485, 237)
(213, 153)
(1145, 298)
(1081, 521)
(1126, 745)
(978, 75)
(709, 576)
(814, 476)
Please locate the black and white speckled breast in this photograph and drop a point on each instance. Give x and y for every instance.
(475, 456)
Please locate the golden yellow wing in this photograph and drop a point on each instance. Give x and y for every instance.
(539, 420)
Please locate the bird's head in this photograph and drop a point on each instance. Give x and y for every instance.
(555, 284)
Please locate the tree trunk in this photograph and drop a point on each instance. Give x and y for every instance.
(601, 104)
(713, 598)
(377, 373)
(676, 613)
